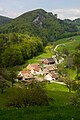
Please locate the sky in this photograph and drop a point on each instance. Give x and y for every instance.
(66, 9)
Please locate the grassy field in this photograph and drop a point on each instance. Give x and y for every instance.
(59, 108)
(41, 113)
(40, 57)
(77, 38)
(69, 43)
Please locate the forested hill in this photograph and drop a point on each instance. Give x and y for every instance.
(75, 22)
(15, 49)
(4, 20)
(40, 23)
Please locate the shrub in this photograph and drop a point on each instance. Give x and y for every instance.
(22, 97)
(75, 99)
(15, 97)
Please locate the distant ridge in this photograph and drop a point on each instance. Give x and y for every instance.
(4, 20)
(39, 23)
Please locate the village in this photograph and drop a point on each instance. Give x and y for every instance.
(46, 70)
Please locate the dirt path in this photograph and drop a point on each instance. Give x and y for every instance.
(58, 46)
(62, 83)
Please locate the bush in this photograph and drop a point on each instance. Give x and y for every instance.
(75, 99)
(35, 96)
(15, 97)
(22, 97)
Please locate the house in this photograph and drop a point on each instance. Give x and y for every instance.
(51, 76)
(45, 71)
(55, 58)
(25, 75)
(51, 68)
(35, 69)
(48, 61)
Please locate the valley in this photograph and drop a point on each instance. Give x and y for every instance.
(39, 67)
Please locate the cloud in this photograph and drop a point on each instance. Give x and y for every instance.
(62, 13)
(8, 13)
(2, 11)
(67, 13)
(12, 14)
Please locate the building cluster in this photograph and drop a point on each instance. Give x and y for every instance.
(46, 71)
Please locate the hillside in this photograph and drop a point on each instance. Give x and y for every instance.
(16, 48)
(66, 43)
(59, 108)
(4, 20)
(77, 23)
(40, 23)
(69, 43)
(37, 28)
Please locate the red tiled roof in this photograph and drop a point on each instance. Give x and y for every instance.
(34, 67)
(53, 75)
(25, 72)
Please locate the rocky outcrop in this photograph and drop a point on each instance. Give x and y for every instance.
(38, 21)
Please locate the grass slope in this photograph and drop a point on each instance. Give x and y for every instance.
(57, 110)
(69, 43)
(40, 113)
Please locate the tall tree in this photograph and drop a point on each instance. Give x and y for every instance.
(12, 76)
(3, 84)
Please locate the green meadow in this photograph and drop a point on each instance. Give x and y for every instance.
(58, 109)
(68, 43)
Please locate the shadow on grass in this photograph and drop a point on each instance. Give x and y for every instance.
(41, 113)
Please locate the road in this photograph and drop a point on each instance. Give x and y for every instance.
(58, 46)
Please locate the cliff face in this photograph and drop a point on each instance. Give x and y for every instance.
(38, 21)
